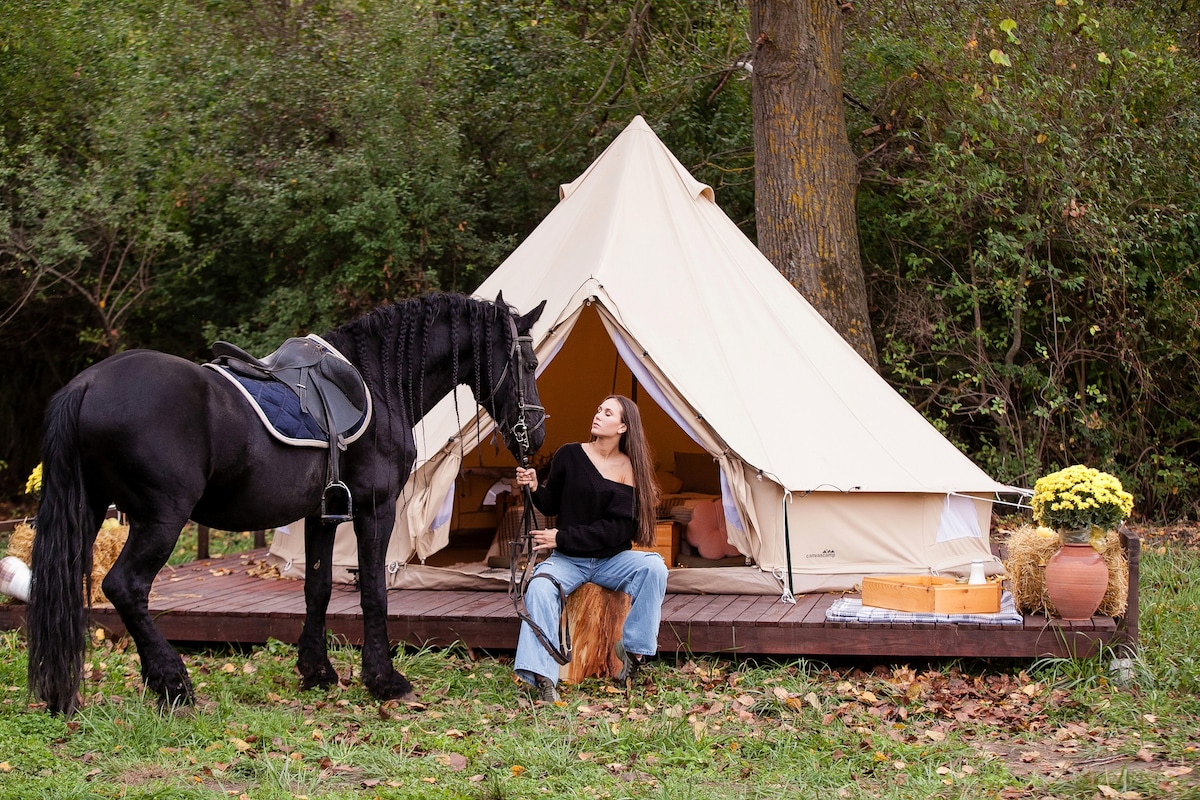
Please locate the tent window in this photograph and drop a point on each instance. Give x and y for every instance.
(959, 520)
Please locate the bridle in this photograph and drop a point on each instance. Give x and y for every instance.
(520, 430)
(522, 558)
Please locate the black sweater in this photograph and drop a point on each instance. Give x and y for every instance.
(594, 515)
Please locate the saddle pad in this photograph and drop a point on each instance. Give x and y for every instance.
(278, 408)
(851, 609)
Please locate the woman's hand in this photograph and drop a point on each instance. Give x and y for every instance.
(527, 477)
(545, 540)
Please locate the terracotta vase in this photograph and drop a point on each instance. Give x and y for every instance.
(1076, 580)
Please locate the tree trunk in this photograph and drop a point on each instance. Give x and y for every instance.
(805, 175)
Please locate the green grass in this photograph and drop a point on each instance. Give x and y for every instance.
(697, 728)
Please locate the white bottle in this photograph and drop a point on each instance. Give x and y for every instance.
(977, 575)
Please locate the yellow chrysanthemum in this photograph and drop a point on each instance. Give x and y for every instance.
(34, 484)
(1080, 497)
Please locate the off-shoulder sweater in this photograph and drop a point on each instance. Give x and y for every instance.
(595, 516)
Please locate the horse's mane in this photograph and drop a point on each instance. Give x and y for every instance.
(392, 345)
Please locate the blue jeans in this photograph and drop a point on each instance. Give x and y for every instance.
(641, 575)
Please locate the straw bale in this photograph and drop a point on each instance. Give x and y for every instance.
(20, 544)
(1029, 548)
(109, 541)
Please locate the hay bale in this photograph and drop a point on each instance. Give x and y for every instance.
(1029, 548)
(109, 541)
(20, 544)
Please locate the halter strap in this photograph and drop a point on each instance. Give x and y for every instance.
(520, 429)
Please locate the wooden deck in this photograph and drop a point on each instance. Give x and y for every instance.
(228, 600)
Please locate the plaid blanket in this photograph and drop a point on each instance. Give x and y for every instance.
(851, 609)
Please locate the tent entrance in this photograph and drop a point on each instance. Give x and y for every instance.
(582, 373)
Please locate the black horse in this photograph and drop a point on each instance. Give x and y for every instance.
(166, 440)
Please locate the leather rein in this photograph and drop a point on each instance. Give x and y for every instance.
(522, 558)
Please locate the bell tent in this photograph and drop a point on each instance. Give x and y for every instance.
(823, 472)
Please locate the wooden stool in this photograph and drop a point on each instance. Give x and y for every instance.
(596, 617)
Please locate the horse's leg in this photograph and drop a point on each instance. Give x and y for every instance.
(379, 675)
(127, 586)
(313, 656)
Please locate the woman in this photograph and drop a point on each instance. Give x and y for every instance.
(605, 499)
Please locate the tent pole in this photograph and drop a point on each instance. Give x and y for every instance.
(787, 542)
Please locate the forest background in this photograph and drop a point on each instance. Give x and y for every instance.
(1028, 202)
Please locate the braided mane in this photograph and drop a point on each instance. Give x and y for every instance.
(394, 345)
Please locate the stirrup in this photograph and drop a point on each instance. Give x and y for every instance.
(336, 503)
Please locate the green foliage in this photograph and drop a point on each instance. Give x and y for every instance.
(1030, 226)
(173, 174)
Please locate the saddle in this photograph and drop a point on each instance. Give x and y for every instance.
(330, 390)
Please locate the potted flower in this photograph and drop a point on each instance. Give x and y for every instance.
(1082, 505)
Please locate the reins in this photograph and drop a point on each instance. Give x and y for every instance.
(522, 558)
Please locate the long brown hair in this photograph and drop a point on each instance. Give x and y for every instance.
(645, 487)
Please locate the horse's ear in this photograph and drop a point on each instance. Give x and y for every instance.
(525, 323)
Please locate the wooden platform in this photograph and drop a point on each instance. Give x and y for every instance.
(228, 600)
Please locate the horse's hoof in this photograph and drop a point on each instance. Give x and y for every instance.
(322, 679)
(396, 687)
(176, 697)
(316, 673)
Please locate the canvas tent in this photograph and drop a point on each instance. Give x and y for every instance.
(826, 473)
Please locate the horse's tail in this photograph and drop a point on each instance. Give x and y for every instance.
(55, 621)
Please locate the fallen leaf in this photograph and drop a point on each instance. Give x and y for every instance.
(454, 761)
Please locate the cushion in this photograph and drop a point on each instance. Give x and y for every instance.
(698, 472)
(668, 483)
(706, 531)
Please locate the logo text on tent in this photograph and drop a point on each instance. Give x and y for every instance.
(826, 553)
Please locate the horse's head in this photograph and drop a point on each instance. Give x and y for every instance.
(513, 401)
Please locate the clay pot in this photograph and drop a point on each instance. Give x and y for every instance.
(1076, 580)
